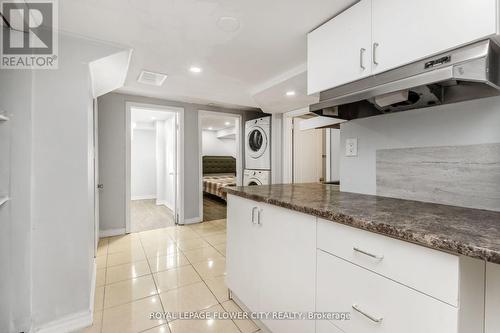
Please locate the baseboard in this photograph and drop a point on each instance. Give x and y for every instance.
(144, 197)
(75, 321)
(92, 285)
(164, 203)
(112, 232)
(69, 323)
(197, 219)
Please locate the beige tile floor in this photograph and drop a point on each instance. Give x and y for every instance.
(173, 269)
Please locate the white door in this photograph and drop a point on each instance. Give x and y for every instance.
(338, 52)
(287, 266)
(307, 154)
(405, 30)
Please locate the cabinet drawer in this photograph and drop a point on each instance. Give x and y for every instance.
(431, 272)
(383, 306)
(324, 326)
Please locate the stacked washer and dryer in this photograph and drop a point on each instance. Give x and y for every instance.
(257, 152)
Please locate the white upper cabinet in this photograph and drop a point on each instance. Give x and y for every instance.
(374, 36)
(406, 30)
(339, 51)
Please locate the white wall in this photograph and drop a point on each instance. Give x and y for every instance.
(49, 228)
(143, 164)
(471, 122)
(15, 215)
(213, 146)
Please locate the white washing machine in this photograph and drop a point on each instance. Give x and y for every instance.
(258, 144)
(256, 177)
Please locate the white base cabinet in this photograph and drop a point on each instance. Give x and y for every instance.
(280, 260)
(271, 261)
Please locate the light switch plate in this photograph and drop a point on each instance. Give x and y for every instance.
(351, 147)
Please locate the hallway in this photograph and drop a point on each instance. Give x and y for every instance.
(174, 269)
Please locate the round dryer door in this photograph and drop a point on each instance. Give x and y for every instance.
(253, 182)
(256, 142)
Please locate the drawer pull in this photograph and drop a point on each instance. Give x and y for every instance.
(372, 318)
(376, 256)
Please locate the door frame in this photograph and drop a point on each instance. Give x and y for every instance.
(239, 157)
(179, 197)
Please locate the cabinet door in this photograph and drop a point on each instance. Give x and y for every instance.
(408, 30)
(338, 52)
(242, 262)
(288, 266)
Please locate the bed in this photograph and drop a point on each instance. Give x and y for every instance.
(218, 172)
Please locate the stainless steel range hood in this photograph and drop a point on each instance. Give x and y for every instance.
(469, 72)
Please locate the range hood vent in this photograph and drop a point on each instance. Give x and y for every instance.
(467, 73)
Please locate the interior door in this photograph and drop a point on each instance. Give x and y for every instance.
(405, 31)
(338, 52)
(307, 154)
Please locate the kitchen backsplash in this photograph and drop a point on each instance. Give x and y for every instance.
(467, 175)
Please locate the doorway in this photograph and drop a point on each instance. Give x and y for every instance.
(220, 160)
(310, 155)
(153, 167)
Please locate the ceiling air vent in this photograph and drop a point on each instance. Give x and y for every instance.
(151, 78)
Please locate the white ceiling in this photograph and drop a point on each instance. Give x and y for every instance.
(148, 116)
(169, 36)
(216, 123)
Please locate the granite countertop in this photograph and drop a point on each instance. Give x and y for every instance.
(470, 232)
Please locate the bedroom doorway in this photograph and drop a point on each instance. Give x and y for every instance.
(153, 163)
(220, 160)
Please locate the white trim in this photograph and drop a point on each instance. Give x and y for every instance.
(68, 323)
(92, 285)
(239, 156)
(164, 203)
(179, 209)
(77, 321)
(197, 219)
(112, 232)
(144, 197)
(288, 143)
(328, 154)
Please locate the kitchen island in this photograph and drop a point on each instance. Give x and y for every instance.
(312, 248)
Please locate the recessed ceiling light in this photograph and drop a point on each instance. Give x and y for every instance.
(228, 23)
(227, 123)
(290, 93)
(195, 69)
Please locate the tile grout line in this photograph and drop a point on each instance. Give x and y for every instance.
(202, 279)
(154, 280)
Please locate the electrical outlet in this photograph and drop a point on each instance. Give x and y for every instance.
(351, 147)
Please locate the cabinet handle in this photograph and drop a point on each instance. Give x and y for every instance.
(258, 217)
(361, 56)
(253, 214)
(376, 256)
(372, 318)
(374, 55)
